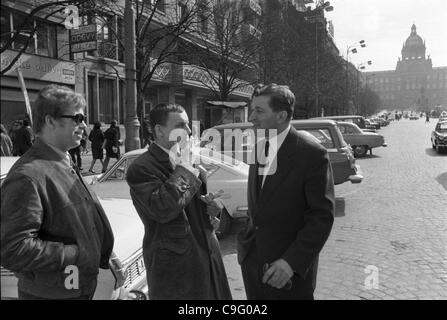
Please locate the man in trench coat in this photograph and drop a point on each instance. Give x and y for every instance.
(180, 248)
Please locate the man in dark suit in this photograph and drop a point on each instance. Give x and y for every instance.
(180, 248)
(290, 203)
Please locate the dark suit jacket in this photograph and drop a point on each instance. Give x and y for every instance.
(294, 213)
(180, 248)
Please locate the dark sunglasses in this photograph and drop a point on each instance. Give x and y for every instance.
(78, 118)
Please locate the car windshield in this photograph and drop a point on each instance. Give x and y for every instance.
(442, 127)
(323, 136)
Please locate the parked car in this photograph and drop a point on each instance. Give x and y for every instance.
(126, 274)
(326, 131)
(223, 172)
(439, 136)
(359, 140)
(414, 116)
(371, 126)
(358, 120)
(382, 121)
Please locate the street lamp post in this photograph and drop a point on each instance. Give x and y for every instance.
(360, 66)
(132, 124)
(351, 48)
(318, 17)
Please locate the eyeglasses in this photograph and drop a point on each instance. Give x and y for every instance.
(78, 118)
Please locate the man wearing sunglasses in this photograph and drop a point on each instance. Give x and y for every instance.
(50, 219)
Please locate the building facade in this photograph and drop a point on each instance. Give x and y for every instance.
(415, 84)
(99, 73)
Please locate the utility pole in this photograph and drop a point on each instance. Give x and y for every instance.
(132, 125)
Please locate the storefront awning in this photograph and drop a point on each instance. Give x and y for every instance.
(233, 105)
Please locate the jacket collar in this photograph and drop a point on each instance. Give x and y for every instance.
(159, 154)
(48, 152)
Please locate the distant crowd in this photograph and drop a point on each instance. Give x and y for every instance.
(20, 138)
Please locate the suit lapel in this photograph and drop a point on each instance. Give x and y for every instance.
(284, 163)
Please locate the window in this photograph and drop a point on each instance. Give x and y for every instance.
(323, 136)
(44, 41)
(5, 27)
(25, 33)
(182, 10)
(107, 102)
(203, 17)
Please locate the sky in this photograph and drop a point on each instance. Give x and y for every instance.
(385, 25)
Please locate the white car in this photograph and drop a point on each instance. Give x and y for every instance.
(126, 279)
(223, 173)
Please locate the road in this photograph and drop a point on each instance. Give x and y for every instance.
(389, 239)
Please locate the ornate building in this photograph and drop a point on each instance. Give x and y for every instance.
(415, 84)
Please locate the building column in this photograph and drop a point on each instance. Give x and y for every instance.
(191, 101)
(166, 94)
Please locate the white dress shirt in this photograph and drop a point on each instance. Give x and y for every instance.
(274, 144)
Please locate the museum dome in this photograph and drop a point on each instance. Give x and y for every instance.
(414, 40)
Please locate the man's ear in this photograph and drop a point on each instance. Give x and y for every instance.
(281, 116)
(50, 121)
(158, 131)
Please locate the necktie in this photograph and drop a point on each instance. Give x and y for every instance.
(258, 166)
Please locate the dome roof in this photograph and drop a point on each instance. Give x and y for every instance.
(414, 40)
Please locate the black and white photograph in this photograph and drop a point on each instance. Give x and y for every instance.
(234, 151)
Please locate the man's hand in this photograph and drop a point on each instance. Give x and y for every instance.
(214, 205)
(278, 274)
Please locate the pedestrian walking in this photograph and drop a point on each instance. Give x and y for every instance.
(427, 117)
(180, 249)
(50, 218)
(96, 138)
(84, 149)
(112, 144)
(75, 154)
(6, 143)
(290, 203)
(24, 138)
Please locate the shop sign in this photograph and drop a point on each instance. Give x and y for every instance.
(39, 68)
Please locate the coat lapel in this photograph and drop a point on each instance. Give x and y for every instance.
(284, 163)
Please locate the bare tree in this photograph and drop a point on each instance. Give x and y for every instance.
(44, 12)
(227, 49)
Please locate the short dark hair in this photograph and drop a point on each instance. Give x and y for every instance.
(97, 125)
(281, 97)
(159, 114)
(53, 100)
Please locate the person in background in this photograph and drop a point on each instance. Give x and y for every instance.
(97, 138)
(112, 144)
(75, 154)
(50, 218)
(84, 149)
(24, 138)
(6, 143)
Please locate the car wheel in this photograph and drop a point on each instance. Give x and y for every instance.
(225, 224)
(360, 151)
